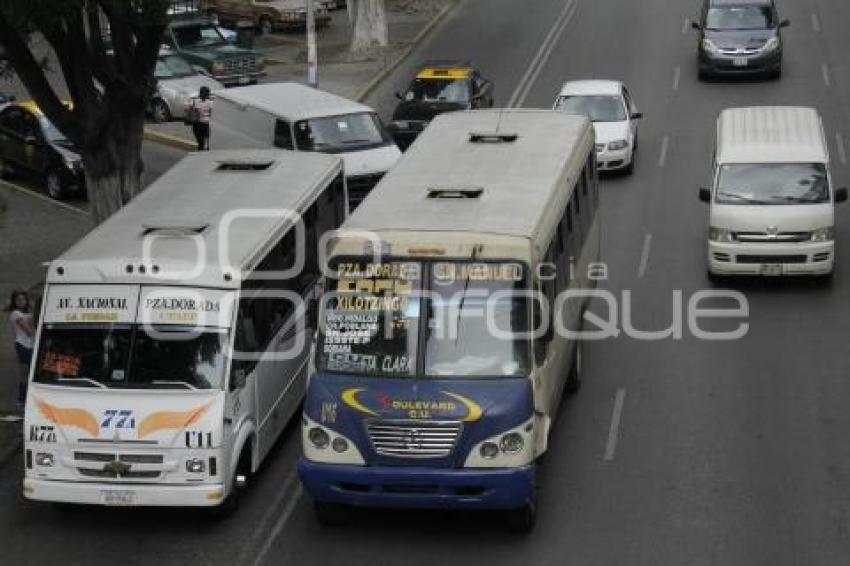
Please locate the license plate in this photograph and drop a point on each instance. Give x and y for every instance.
(244, 80)
(115, 498)
(740, 61)
(771, 269)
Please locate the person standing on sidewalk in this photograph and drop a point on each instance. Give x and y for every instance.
(199, 114)
(23, 327)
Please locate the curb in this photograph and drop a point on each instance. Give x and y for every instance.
(169, 140)
(423, 33)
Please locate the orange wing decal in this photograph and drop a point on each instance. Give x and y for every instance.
(166, 420)
(69, 417)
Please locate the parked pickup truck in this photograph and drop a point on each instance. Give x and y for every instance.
(269, 15)
(201, 43)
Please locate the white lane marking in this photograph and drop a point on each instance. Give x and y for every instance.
(271, 511)
(677, 74)
(662, 158)
(842, 151)
(685, 26)
(278, 527)
(815, 23)
(825, 72)
(44, 198)
(644, 255)
(542, 55)
(614, 431)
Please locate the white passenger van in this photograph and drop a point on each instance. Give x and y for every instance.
(772, 199)
(428, 390)
(295, 116)
(173, 344)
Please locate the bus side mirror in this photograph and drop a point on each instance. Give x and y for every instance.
(238, 378)
(840, 194)
(696, 25)
(784, 23)
(541, 343)
(399, 96)
(705, 194)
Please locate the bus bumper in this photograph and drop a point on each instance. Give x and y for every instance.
(128, 495)
(413, 487)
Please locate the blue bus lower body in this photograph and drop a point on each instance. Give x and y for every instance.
(413, 487)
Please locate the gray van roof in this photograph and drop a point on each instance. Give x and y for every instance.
(770, 134)
(192, 201)
(292, 101)
(520, 180)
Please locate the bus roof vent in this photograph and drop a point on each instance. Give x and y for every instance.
(492, 137)
(455, 192)
(174, 228)
(243, 165)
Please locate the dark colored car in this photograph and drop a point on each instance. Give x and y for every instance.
(434, 90)
(30, 144)
(739, 37)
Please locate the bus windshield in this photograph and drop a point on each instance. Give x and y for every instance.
(427, 319)
(131, 356)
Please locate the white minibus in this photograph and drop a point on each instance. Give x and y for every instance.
(173, 343)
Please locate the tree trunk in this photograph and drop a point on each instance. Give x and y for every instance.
(370, 26)
(113, 164)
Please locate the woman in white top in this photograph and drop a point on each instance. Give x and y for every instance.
(23, 326)
(201, 112)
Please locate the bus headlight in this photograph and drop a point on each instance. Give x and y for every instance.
(44, 459)
(316, 438)
(823, 234)
(513, 447)
(196, 466)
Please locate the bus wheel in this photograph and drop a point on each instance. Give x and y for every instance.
(574, 378)
(331, 514)
(522, 519)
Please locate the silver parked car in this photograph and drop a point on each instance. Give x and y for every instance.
(177, 83)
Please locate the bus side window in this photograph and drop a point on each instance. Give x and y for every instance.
(283, 135)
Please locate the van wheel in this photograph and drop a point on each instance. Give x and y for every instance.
(522, 519)
(331, 514)
(53, 181)
(266, 25)
(574, 377)
(160, 111)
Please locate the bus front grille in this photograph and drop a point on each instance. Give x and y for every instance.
(413, 439)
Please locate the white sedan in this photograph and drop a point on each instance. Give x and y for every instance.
(614, 115)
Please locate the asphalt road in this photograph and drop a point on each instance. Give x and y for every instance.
(724, 453)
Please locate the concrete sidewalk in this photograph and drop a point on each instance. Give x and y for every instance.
(339, 71)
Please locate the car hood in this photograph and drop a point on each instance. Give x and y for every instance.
(92, 416)
(370, 161)
(607, 132)
(750, 38)
(212, 54)
(426, 111)
(767, 218)
(190, 86)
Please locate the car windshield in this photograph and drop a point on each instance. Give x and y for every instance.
(51, 132)
(438, 90)
(198, 37)
(131, 356)
(772, 183)
(599, 108)
(729, 18)
(335, 134)
(172, 67)
(470, 313)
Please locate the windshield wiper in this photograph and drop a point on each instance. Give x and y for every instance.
(83, 380)
(184, 383)
(356, 141)
(740, 198)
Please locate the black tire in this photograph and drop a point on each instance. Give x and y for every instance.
(265, 26)
(522, 519)
(630, 168)
(331, 514)
(702, 75)
(574, 378)
(6, 171)
(160, 111)
(54, 185)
